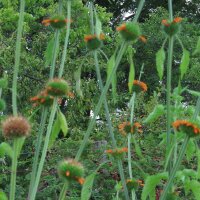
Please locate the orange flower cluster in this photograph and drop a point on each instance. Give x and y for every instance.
(126, 128)
(139, 182)
(187, 127)
(118, 152)
(88, 38)
(165, 22)
(78, 179)
(140, 86)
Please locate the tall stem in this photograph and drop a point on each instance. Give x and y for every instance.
(66, 39)
(17, 56)
(102, 97)
(44, 151)
(14, 169)
(38, 147)
(63, 191)
(139, 10)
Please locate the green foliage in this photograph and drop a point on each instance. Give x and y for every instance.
(197, 50)
(185, 60)
(194, 186)
(3, 195)
(160, 60)
(150, 184)
(6, 149)
(131, 76)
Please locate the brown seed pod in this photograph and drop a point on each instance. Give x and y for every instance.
(15, 127)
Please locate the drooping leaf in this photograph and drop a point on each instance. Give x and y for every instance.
(194, 93)
(197, 50)
(6, 149)
(137, 148)
(131, 76)
(3, 196)
(77, 77)
(190, 150)
(150, 184)
(55, 131)
(110, 66)
(158, 111)
(87, 187)
(49, 52)
(98, 26)
(63, 123)
(20, 145)
(194, 186)
(160, 60)
(185, 60)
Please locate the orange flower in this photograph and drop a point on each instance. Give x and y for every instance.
(140, 85)
(126, 128)
(187, 127)
(177, 20)
(118, 152)
(122, 27)
(143, 39)
(165, 22)
(88, 38)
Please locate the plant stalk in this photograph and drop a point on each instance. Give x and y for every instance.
(63, 191)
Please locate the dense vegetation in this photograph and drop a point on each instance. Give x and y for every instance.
(153, 155)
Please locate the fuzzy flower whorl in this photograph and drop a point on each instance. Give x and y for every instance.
(15, 127)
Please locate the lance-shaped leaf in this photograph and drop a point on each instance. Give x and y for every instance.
(160, 60)
(6, 149)
(158, 111)
(194, 93)
(194, 186)
(131, 76)
(49, 52)
(98, 26)
(185, 60)
(55, 131)
(197, 50)
(77, 77)
(110, 65)
(63, 123)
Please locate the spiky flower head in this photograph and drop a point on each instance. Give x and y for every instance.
(130, 31)
(42, 99)
(187, 127)
(133, 183)
(171, 28)
(118, 152)
(93, 42)
(125, 128)
(71, 170)
(15, 127)
(139, 86)
(2, 105)
(57, 87)
(56, 22)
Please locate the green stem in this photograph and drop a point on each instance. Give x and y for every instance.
(170, 10)
(63, 191)
(132, 102)
(38, 147)
(14, 169)
(169, 74)
(139, 9)
(17, 56)
(45, 148)
(102, 97)
(66, 39)
(55, 49)
(129, 156)
(175, 168)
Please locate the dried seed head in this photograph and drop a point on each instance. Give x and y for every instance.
(15, 127)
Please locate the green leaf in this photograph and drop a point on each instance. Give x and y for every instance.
(194, 186)
(3, 196)
(194, 93)
(77, 77)
(131, 76)
(6, 149)
(20, 145)
(197, 50)
(190, 150)
(158, 111)
(110, 65)
(55, 131)
(98, 26)
(160, 60)
(63, 123)
(87, 187)
(185, 60)
(150, 185)
(198, 164)
(49, 52)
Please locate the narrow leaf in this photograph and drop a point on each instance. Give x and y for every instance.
(20, 145)
(87, 187)
(198, 164)
(55, 131)
(160, 60)
(194, 93)
(158, 111)
(77, 77)
(98, 26)
(6, 149)
(63, 123)
(49, 52)
(197, 50)
(185, 60)
(131, 76)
